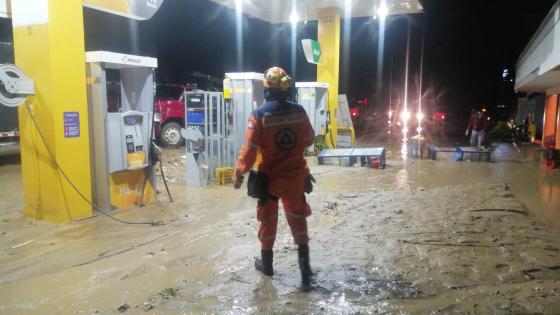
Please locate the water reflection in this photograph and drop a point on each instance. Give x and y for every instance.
(550, 194)
(402, 179)
(404, 146)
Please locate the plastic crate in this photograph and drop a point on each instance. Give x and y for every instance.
(224, 175)
(195, 117)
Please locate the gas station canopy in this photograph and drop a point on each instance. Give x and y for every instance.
(538, 67)
(281, 11)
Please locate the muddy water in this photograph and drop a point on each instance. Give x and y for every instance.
(420, 237)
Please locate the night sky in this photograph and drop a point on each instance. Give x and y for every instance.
(468, 43)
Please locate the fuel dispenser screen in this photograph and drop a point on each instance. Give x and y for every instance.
(132, 120)
(128, 136)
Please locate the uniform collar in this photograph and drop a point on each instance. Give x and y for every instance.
(276, 95)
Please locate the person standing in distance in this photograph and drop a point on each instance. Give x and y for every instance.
(281, 130)
(478, 123)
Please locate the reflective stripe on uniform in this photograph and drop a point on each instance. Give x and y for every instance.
(295, 216)
(267, 124)
(267, 238)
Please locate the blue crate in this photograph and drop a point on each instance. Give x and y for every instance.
(195, 117)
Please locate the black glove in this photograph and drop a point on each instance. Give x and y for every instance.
(309, 180)
(238, 179)
(238, 182)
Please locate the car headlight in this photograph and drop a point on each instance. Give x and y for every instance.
(157, 117)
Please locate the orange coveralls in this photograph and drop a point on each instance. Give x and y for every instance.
(281, 131)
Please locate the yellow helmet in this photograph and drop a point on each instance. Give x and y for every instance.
(277, 78)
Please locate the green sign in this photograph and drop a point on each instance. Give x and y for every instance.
(312, 50)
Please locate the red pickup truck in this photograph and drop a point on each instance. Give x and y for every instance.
(169, 113)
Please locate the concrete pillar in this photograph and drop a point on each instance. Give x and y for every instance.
(49, 47)
(328, 67)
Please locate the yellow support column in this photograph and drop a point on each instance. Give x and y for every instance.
(49, 47)
(328, 67)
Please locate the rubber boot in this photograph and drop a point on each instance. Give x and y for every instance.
(264, 264)
(303, 259)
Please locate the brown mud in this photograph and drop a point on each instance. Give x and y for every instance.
(420, 237)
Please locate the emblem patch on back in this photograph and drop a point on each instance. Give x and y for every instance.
(285, 139)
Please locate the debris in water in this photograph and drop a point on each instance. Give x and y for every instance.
(168, 293)
(148, 306)
(123, 308)
(331, 205)
(23, 244)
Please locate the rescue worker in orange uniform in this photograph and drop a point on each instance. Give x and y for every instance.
(281, 130)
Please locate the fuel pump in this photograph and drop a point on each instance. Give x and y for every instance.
(120, 96)
(244, 91)
(313, 96)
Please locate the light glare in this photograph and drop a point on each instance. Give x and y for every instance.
(294, 18)
(383, 11)
(405, 116)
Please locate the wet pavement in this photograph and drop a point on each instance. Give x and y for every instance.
(420, 237)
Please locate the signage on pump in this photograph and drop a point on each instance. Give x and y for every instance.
(127, 59)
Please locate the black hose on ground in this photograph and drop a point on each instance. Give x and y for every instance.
(165, 181)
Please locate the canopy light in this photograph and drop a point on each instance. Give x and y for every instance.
(282, 11)
(294, 18)
(383, 11)
(405, 116)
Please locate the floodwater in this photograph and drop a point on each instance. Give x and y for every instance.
(420, 237)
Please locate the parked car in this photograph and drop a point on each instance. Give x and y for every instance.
(169, 113)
